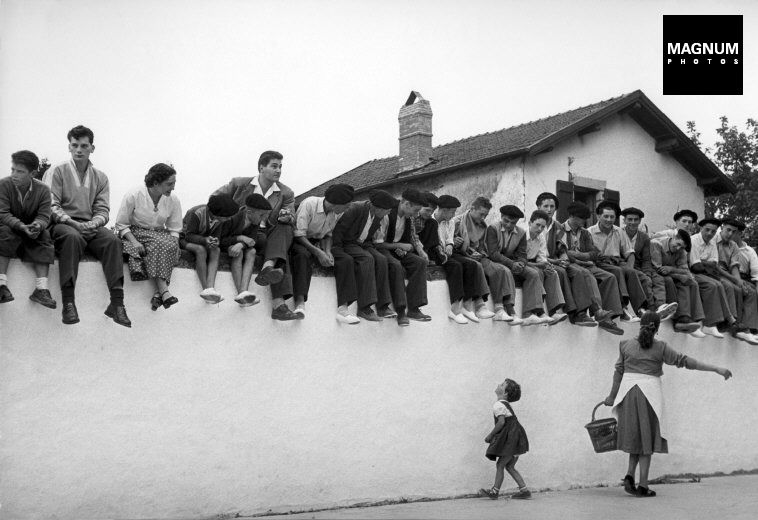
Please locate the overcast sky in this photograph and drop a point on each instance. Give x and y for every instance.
(209, 85)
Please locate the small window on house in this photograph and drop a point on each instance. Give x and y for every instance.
(568, 192)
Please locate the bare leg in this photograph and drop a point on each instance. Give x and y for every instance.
(500, 471)
(633, 460)
(213, 256)
(236, 269)
(644, 469)
(513, 472)
(162, 287)
(247, 268)
(41, 270)
(201, 261)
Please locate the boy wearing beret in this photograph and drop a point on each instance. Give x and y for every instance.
(684, 219)
(581, 250)
(356, 274)
(275, 236)
(24, 216)
(748, 261)
(314, 223)
(640, 242)
(615, 255)
(80, 209)
(398, 241)
(208, 228)
(745, 298)
(471, 241)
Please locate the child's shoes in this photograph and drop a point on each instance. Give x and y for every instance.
(522, 494)
(491, 493)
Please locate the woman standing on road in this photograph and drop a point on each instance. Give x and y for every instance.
(637, 399)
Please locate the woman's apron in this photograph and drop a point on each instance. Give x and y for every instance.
(650, 386)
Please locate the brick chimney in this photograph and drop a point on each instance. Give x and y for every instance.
(415, 132)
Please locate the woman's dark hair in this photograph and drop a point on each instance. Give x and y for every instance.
(648, 327)
(158, 174)
(512, 391)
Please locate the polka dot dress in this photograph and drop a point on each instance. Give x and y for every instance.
(161, 252)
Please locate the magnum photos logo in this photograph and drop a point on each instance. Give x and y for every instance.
(702, 54)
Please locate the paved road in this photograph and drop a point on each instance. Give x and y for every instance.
(732, 498)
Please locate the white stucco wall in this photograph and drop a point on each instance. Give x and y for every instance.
(202, 410)
(622, 154)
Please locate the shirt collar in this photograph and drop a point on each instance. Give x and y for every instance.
(254, 182)
(320, 205)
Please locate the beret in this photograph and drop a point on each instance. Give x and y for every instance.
(414, 196)
(686, 238)
(222, 205)
(448, 201)
(710, 220)
(511, 211)
(257, 201)
(547, 195)
(684, 212)
(339, 194)
(633, 211)
(734, 222)
(578, 209)
(430, 199)
(607, 204)
(382, 200)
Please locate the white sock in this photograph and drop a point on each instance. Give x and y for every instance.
(342, 310)
(40, 283)
(3, 279)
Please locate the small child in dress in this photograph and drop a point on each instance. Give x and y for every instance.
(507, 441)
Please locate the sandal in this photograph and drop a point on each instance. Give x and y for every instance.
(169, 301)
(642, 491)
(155, 302)
(629, 486)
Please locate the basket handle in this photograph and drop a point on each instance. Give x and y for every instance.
(598, 405)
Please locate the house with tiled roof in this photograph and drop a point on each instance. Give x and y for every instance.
(623, 149)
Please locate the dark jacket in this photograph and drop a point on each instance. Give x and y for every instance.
(349, 226)
(239, 188)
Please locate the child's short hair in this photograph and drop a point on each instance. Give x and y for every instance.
(27, 159)
(512, 391)
(481, 202)
(81, 131)
(267, 156)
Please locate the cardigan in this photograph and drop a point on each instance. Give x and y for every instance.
(16, 210)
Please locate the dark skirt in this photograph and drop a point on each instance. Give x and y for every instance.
(638, 430)
(509, 441)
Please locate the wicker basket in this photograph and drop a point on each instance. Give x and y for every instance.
(602, 432)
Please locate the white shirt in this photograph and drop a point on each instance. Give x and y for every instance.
(749, 261)
(312, 221)
(702, 252)
(381, 234)
(499, 409)
(138, 209)
(446, 232)
(257, 187)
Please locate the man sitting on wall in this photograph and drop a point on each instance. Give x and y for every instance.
(581, 250)
(683, 219)
(704, 264)
(314, 223)
(672, 278)
(507, 244)
(465, 276)
(745, 298)
(748, 260)
(640, 242)
(471, 241)
(617, 257)
(24, 216)
(274, 238)
(355, 272)
(398, 241)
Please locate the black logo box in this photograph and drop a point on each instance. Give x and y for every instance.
(702, 41)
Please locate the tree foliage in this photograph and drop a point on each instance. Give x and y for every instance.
(736, 153)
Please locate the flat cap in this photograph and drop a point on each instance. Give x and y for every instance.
(448, 201)
(578, 209)
(339, 194)
(257, 201)
(382, 200)
(685, 212)
(511, 211)
(222, 205)
(608, 204)
(632, 211)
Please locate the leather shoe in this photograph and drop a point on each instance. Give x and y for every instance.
(417, 315)
(69, 313)
(118, 314)
(269, 275)
(283, 313)
(42, 296)
(402, 318)
(368, 314)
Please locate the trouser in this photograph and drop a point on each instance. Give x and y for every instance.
(583, 287)
(646, 281)
(714, 299)
(38, 250)
(354, 275)
(629, 285)
(465, 278)
(301, 263)
(532, 291)
(609, 290)
(685, 291)
(413, 267)
(551, 282)
(274, 243)
(104, 245)
(744, 305)
(500, 281)
(566, 290)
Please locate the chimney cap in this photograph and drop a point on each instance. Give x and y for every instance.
(415, 95)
